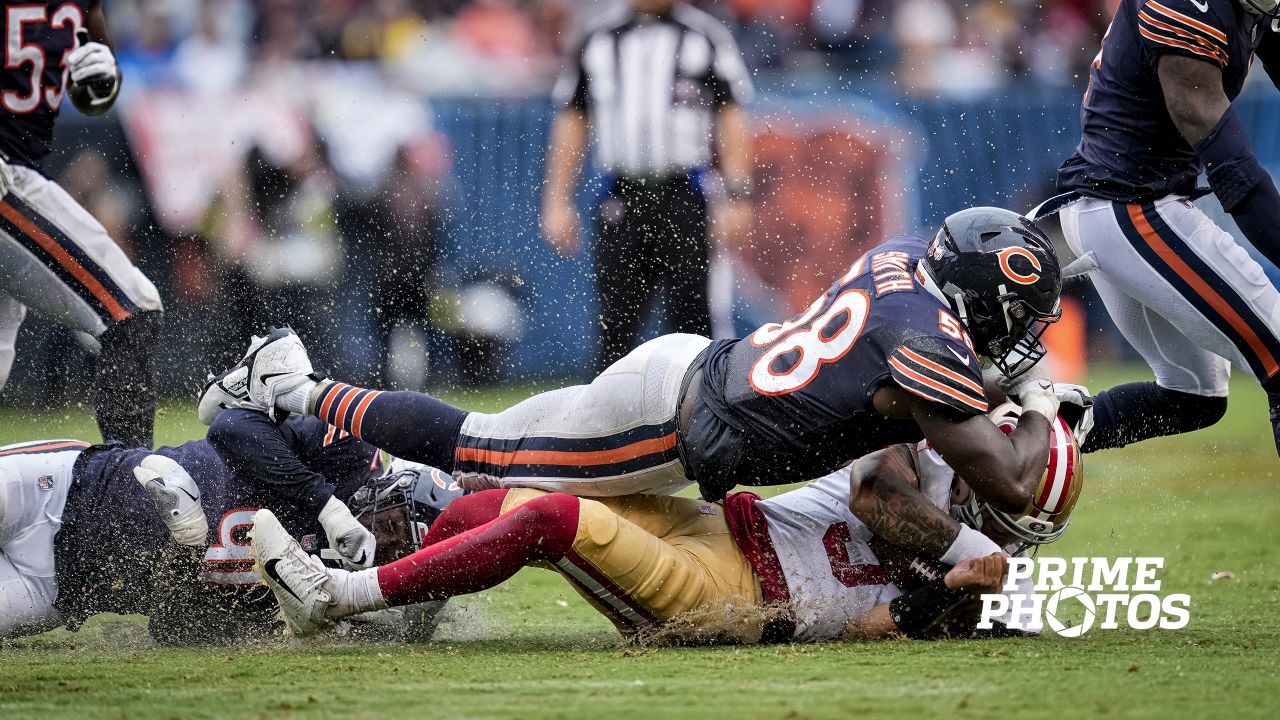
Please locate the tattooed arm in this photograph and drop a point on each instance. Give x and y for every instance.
(886, 497)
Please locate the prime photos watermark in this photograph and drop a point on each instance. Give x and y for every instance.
(1073, 596)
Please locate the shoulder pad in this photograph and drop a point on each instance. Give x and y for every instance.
(1195, 28)
(941, 371)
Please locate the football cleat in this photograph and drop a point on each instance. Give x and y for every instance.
(276, 364)
(296, 578)
(227, 390)
(176, 497)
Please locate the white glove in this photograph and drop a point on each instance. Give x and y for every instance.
(91, 63)
(1030, 379)
(348, 537)
(176, 496)
(1037, 396)
(1079, 396)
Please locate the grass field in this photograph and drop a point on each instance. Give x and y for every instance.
(532, 649)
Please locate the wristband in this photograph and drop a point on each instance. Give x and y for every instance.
(969, 544)
(916, 612)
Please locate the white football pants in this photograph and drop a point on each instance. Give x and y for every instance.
(34, 480)
(615, 436)
(58, 260)
(1188, 298)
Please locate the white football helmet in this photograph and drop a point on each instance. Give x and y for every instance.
(1047, 516)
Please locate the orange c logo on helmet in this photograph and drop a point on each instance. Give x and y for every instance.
(1021, 278)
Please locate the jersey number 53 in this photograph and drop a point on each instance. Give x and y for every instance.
(20, 21)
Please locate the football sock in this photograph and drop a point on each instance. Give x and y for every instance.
(1272, 386)
(1134, 412)
(409, 425)
(296, 400)
(542, 529)
(353, 592)
(465, 513)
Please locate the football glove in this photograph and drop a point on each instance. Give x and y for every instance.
(353, 541)
(176, 497)
(92, 66)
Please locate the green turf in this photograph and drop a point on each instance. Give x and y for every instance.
(532, 649)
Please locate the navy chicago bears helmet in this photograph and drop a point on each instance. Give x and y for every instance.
(1001, 276)
(400, 505)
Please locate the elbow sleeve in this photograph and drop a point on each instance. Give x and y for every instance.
(1229, 161)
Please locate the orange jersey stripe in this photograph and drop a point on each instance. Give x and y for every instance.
(943, 371)
(67, 445)
(1213, 32)
(1177, 43)
(980, 406)
(1202, 288)
(329, 395)
(51, 246)
(562, 457)
(342, 408)
(359, 416)
(1198, 39)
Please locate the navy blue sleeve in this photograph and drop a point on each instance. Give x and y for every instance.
(345, 460)
(257, 449)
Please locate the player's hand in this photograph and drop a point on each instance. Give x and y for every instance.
(347, 536)
(560, 227)
(981, 576)
(731, 224)
(93, 66)
(176, 496)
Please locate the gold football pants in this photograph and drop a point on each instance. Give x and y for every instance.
(645, 561)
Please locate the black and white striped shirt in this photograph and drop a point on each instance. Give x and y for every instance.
(650, 85)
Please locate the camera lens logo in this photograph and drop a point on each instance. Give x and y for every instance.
(1052, 611)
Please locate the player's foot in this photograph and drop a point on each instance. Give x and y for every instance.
(230, 389)
(298, 580)
(277, 363)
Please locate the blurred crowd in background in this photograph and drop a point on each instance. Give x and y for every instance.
(305, 154)
(515, 46)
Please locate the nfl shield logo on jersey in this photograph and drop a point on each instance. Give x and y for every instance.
(45, 482)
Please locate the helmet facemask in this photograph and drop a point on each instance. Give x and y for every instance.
(1269, 9)
(1009, 334)
(385, 505)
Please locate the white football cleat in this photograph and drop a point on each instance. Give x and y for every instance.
(228, 390)
(297, 578)
(176, 496)
(276, 363)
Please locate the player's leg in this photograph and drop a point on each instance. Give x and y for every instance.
(28, 586)
(613, 436)
(622, 283)
(1181, 289)
(641, 560)
(62, 263)
(12, 313)
(685, 256)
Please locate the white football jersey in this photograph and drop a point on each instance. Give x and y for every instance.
(832, 575)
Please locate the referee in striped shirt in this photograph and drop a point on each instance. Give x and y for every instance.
(658, 86)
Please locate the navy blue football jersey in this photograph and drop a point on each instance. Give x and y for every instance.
(1130, 150)
(114, 554)
(33, 80)
(793, 400)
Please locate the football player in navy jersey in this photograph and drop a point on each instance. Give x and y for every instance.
(893, 352)
(80, 533)
(55, 258)
(1187, 297)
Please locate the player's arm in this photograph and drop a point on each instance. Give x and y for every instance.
(1199, 108)
(1002, 469)
(886, 498)
(92, 70)
(921, 612)
(566, 152)
(256, 447)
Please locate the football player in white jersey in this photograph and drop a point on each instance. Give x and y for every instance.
(800, 566)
